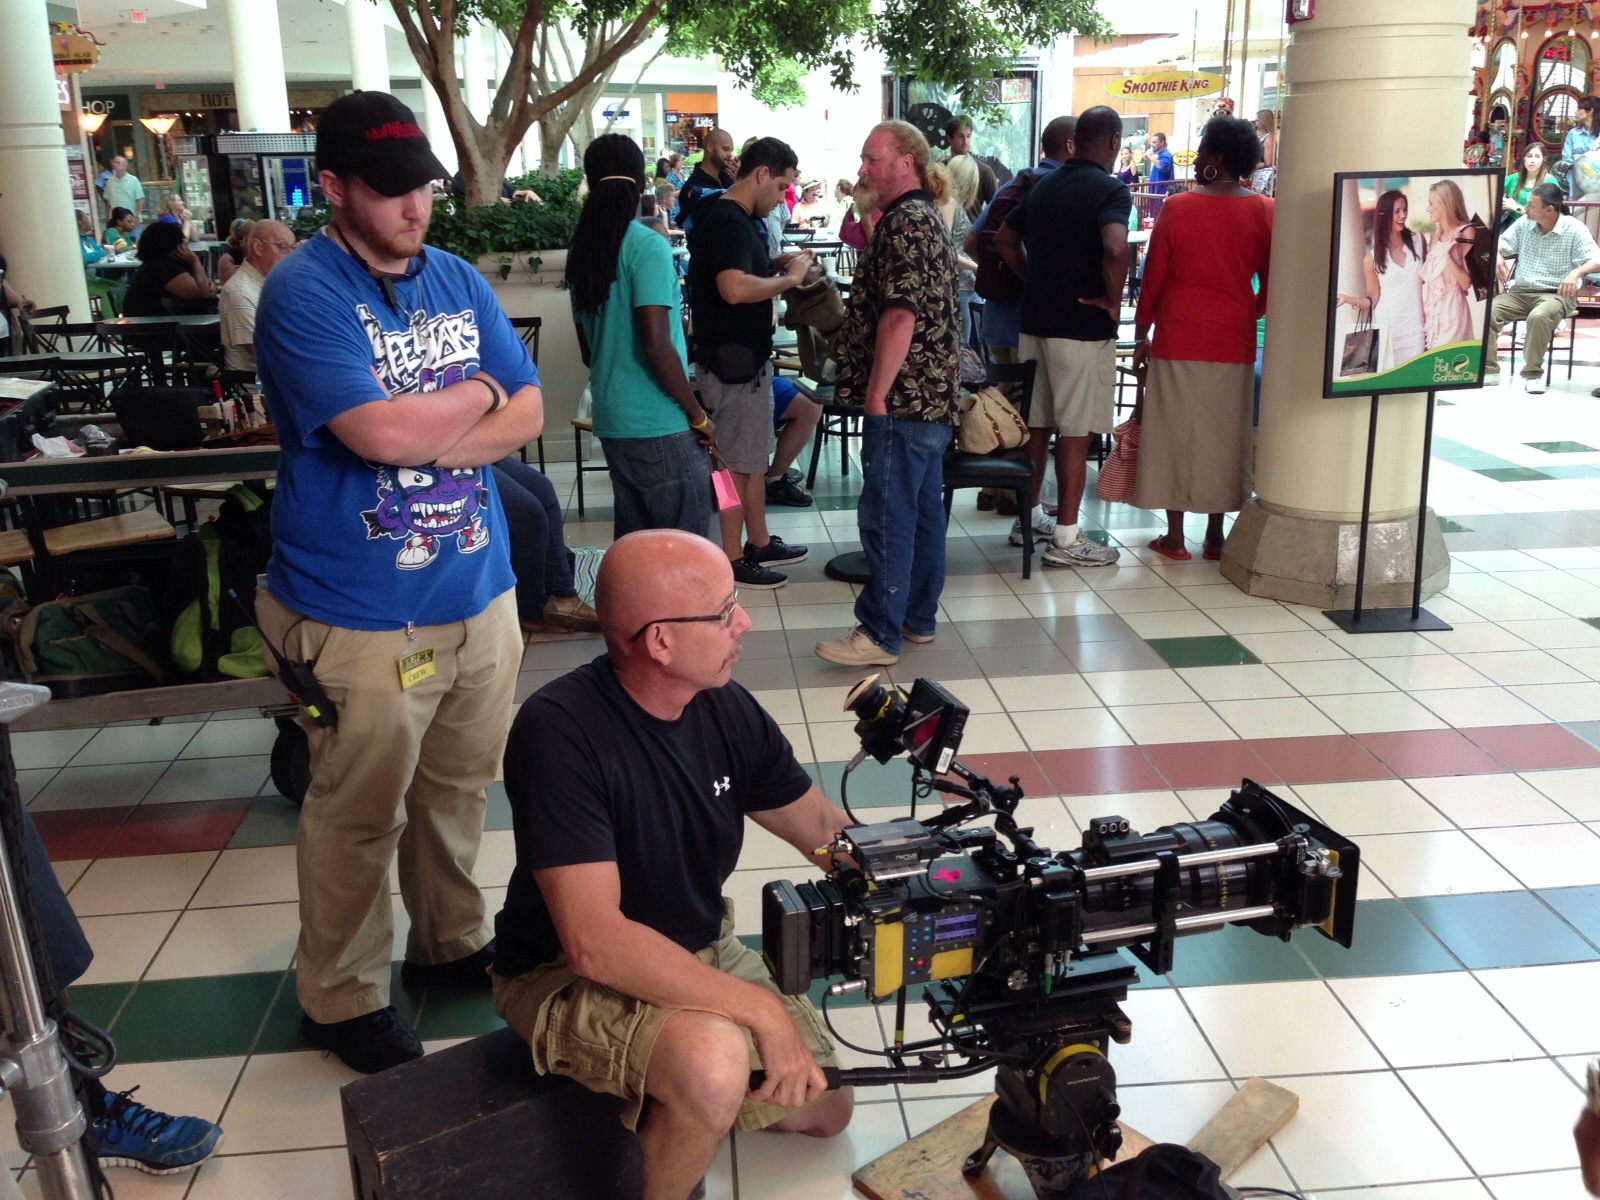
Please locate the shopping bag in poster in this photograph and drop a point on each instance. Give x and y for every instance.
(1360, 353)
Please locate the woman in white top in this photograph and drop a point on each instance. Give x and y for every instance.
(1393, 272)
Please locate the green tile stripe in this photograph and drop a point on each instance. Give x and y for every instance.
(1561, 447)
(1219, 651)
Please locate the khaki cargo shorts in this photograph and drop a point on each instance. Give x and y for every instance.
(603, 1039)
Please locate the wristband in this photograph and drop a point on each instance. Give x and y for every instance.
(705, 419)
(498, 399)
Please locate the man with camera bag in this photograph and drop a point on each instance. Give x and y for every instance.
(629, 780)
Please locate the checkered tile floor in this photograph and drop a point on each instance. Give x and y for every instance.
(1437, 1060)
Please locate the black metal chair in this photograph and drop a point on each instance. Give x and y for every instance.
(1004, 470)
(528, 329)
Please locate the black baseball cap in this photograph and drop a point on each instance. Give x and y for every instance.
(374, 137)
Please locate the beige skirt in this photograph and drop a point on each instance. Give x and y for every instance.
(1194, 438)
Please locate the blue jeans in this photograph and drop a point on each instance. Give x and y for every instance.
(533, 522)
(902, 522)
(659, 483)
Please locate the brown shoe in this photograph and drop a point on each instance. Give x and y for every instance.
(569, 612)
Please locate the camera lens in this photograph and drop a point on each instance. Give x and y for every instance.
(871, 701)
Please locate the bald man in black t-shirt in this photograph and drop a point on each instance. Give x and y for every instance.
(630, 779)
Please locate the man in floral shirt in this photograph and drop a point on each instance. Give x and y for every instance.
(897, 357)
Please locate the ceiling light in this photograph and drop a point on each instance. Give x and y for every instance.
(159, 125)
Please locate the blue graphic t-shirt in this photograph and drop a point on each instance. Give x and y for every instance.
(368, 545)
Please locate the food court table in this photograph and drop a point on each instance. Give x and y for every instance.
(55, 476)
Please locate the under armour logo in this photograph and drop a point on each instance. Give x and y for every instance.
(722, 785)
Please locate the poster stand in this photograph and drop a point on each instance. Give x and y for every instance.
(1415, 619)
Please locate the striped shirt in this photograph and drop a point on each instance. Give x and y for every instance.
(237, 308)
(1545, 259)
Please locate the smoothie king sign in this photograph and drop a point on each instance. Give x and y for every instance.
(1165, 85)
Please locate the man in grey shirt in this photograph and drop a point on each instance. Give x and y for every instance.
(123, 190)
(269, 243)
(1553, 253)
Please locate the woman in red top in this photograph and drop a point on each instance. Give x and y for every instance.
(1194, 438)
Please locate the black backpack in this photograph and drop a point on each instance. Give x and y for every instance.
(1161, 1172)
(213, 636)
(995, 280)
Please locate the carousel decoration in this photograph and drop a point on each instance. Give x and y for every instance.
(1534, 63)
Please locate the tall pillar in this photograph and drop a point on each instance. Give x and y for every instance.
(258, 81)
(437, 127)
(1373, 86)
(369, 46)
(475, 51)
(38, 228)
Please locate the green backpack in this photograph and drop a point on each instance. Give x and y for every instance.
(87, 645)
(213, 635)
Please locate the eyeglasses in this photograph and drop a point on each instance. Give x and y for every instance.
(725, 618)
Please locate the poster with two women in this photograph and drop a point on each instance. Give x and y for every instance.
(1412, 276)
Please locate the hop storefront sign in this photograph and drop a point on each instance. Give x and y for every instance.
(1165, 85)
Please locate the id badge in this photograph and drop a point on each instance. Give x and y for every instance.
(415, 666)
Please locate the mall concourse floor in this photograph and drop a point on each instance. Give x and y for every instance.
(1436, 1060)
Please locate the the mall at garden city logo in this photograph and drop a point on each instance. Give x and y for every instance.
(1454, 368)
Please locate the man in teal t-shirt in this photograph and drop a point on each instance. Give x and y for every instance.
(650, 425)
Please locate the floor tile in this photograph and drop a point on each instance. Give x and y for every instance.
(288, 1102)
(1069, 631)
(1175, 1112)
(1144, 810)
(1336, 676)
(1168, 625)
(1545, 856)
(1318, 759)
(987, 634)
(1117, 656)
(270, 820)
(135, 743)
(78, 832)
(149, 883)
(1098, 770)
(1001, 662)
(1501, 930)
(1554, 634)
(1519, 667)
(229, 941)
(1292, 647)
(232, 739)
(1553, 1003)
(1071, 729)
(209, 779)
(1479, 637)
(1381, 712)
(1433, 1020)
(1002, 766)
(1289, 1028)
(1221, 650)
(1579, 906)
(1544, 747)
(1535, 1133)
(1167, 1045)
(1139, 687)
(303, 1174)
(1209, 764)
(1147, 600)
(1439, 863)
(194, 1018)
(123, 946)
(1023, 693)
(1415, 672)
(1479, 706)
(993, 733)
(1272, 619)
(1562, 701)
(112, 786)
(48, 747)
(1387, 940)
(1244, 682)
(1371, 806)
(1235, 955)
(176, 828)
(1422, 752)
(1355, 1130)
(1152, 723)
(1449, 1189)
(769, 1167)
(1275, 718)
(1486, 800)
(1551, 1185)
(255, 875)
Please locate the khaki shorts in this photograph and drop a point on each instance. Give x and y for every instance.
(743, 415)
(1075, 384)
(603, 1039)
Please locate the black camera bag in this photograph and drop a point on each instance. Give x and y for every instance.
(1161, 1172)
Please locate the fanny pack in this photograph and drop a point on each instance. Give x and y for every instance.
(730, 361)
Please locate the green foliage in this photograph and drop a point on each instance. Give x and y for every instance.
(780, 86)
(504, 229)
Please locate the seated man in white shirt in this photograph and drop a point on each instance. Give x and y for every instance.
(269, 242)
(1553, 253)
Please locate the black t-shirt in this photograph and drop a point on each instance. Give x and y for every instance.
(1060, 220)
(148, 287)
(592, 777)
(699, 190)
(727, 238)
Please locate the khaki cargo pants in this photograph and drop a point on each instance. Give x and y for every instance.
(404, 774)
(603, 1039)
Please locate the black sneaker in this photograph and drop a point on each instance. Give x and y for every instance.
(749, 574)
(473, 969)
(788, 493)
(369, 1043)
(776, 553)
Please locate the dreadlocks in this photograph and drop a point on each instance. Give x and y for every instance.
(614, 166)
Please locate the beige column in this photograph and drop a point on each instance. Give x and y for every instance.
(436, 127)
(369, 46)
(38, 228)
(258, 80)
(1372, 86)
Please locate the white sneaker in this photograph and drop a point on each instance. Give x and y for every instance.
(1534, 386)
(856, 649)
(1082, 553)
(1044, 528)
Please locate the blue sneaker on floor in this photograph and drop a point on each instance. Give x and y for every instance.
(131, 1135)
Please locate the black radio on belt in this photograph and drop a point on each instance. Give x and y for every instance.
(298, 677)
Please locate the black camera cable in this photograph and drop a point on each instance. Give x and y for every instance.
(844, 785)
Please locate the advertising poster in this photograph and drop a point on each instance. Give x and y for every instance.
(1411, 279)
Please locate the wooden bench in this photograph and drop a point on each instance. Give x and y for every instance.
(477, 1121)
(123, 529)
(15, 547)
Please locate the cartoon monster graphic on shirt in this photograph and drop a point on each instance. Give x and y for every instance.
(424, 507)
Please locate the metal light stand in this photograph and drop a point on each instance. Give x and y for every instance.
(1390, 620)
(33, 1069)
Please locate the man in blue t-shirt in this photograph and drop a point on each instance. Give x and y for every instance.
(395, 380)
(1160, 160)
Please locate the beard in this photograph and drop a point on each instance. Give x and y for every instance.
(866, 200)
(387, 243)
